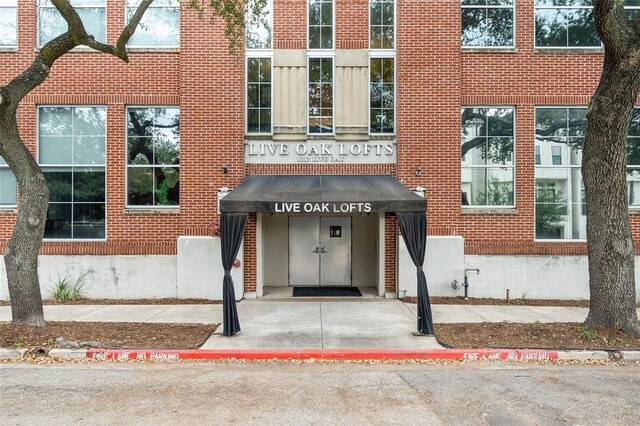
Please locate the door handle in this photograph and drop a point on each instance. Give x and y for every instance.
(322, 250)
(317, 250)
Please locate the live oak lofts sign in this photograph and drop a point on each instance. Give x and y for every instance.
(297, 207)
(320, 152)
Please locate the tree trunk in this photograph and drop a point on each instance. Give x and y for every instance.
(611, 251)
(21, 254)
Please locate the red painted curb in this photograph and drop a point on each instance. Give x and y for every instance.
(328, 354)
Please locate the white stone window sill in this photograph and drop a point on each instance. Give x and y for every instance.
(8, 49)
(569, 50)
(489, 49)
(8, 210)
(151, 210)
(153, 49)
(489, 210)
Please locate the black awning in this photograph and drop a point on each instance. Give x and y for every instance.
(317, 194)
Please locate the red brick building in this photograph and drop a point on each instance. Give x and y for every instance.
(477, 105)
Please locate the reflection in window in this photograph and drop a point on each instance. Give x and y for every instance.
(381, 97)
(565, 24)
(320, 95)
(381, 30)
(633, 159)
(8, 23)
(153, 156)
(160, 25)
(560, 213)
(487, 156)
(258, 25)
(258, 95)
(8, 186)
(320, 24)
(487, 23)
(71, 152)
(51, 24)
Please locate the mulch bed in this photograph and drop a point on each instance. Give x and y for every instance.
(460, 300)
(109, 334)
(167, 301)
(564, 336)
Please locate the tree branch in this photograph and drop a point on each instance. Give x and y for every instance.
(76, 35)
(613, 26)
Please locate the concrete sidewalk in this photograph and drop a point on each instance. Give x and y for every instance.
(313, 323)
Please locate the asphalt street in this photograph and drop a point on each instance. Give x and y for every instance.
(312, 393)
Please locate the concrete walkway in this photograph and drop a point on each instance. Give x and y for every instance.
(313, 323)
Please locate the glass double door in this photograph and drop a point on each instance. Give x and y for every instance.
(319, 251)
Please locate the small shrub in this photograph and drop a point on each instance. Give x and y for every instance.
(587, 333)
(64, 290)
(19, 344)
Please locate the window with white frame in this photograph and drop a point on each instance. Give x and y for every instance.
(381, 95)
(565, 23)
(320, 24)
(258, 95)
(488, 23)
(51, 24)
(633, 160)
(8, 186)
(320, 95)
(381, 24)
(71, 153)
(487, 156)
(258, 33)
(153, 156)
(8, 23)
(159, 27)
(559, 135)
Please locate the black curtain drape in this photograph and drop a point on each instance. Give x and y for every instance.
(414, 232)
(231, 232)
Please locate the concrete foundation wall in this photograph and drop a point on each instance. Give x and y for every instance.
(141, 277)
(532, 277)
(443, 263)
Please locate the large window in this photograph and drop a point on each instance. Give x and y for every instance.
(160, 25)
(51, 24)
(382, 95)
(8, 23)
(258, 25)
(487, 156)
(8, 186)
(381, 20)
(559, 191)
(320, 95)
(259, 95)
(488, 23)
(71, 152)
(320, 24)
(565, 23)
(153, 157)
(633, 160)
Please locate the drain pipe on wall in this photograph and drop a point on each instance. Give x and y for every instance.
(456, 284)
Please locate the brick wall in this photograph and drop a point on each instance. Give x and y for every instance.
(435, 77)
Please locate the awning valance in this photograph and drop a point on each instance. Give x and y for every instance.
(321, 194)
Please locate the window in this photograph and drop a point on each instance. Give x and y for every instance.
(487, 156)
(258, 25)
(8, 186)
(71, 152)
(320, 95)
(160, 25)
(537, 154)
(381, 96)
(8, 23)
(320, 24)
(153, 156)
(381, 29)
(259, 95)
(558, 179)
(51, 24)
(633, 159)
(565, 23)
(487, 23)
